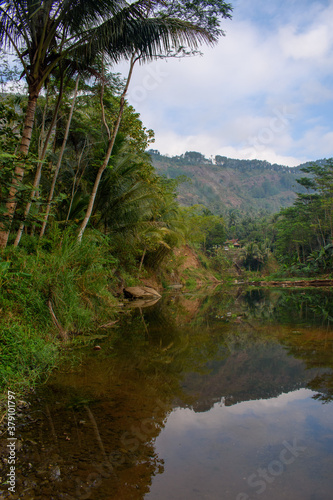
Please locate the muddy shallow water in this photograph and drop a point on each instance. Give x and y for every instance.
(226, 395)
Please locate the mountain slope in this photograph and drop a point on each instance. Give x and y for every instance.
(246, 185)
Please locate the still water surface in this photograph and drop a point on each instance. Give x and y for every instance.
(226, 396)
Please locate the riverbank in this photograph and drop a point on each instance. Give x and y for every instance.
(305, 283)
(48, 296)
(297, 283)
(59, 295)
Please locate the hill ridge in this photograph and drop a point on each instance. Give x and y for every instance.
(224, 184)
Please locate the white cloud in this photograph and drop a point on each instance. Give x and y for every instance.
(313, 91)
(221, 101)
(279, 402)
(173, 144)
(184, 421)
(318, 139)
(313, 44)
(213, 454)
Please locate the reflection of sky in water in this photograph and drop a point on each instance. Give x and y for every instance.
(221, 453)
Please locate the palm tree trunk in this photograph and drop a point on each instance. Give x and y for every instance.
(141, 261)
(40, 165)
(42, 131)
(61, 154)
(29, 122)
(20, 168)
(111, 142)
(76, 182)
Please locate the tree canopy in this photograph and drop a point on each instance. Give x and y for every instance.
(49, 36)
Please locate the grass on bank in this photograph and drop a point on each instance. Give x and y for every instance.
(78, 282)
(75, 281)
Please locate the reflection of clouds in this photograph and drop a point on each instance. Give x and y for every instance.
(244, 420)
(282, 400)
(185, 418)
(218, 450)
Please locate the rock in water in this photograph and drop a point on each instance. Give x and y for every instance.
(141, 292)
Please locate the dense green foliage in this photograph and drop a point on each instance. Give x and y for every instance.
(304, 240)
(52, 40)
(300, 236)
(85, 210)
(73, 161)
(77, 282)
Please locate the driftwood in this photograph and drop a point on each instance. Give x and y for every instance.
(109, 325)
(141, 292)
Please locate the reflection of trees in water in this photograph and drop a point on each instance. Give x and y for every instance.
(237, 332)
(315, 306)
(237, 321)
(103, 418)
(258, 304)
(311, 309)
(95, 434)
(173, 345)
(291, 306)
(233, 343)
(324, 385)
(261, 371)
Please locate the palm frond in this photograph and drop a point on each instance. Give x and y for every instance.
(124, 34)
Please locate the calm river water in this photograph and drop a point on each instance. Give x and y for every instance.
(226, 395)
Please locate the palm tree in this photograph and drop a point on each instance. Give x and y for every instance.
(127, 191)
(173, 33)
(45, 32)
(254, 255)
(136, 206)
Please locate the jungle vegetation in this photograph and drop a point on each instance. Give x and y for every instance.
(82, 210)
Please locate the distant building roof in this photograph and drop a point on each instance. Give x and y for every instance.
(233, 242)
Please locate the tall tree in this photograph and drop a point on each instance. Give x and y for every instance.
(195, 22)
(305, 230)
(44, 142)
(45, 32)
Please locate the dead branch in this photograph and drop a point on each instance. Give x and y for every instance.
(62, 332)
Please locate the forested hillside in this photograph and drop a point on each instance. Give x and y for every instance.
(224, 183)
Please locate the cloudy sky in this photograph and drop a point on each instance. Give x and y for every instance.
(265, 91)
